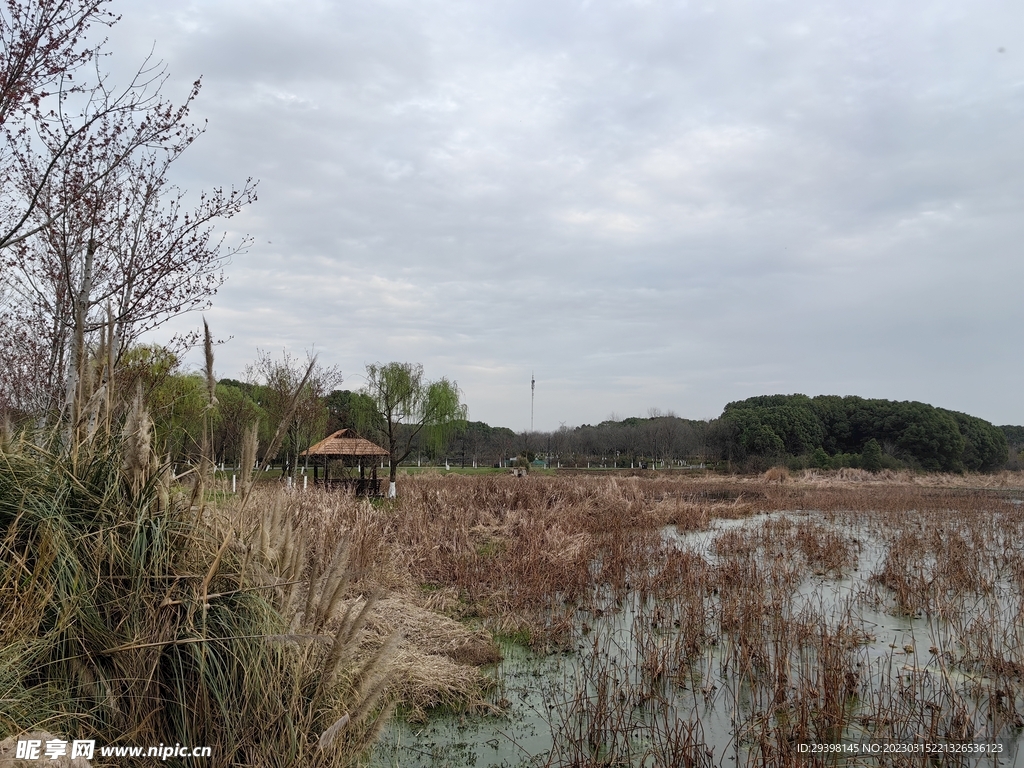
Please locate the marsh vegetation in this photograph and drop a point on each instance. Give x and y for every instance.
(659, 620)
(696, 621)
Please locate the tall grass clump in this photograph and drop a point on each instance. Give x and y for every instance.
(127, 619)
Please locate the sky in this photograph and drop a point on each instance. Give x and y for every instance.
(644, 205)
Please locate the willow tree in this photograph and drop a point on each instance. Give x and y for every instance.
(402, 407)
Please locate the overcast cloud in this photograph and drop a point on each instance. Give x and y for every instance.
(648, 204)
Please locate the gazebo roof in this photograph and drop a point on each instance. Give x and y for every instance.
(345, 442)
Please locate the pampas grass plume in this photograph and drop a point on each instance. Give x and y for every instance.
(138, 436)
(211, 382)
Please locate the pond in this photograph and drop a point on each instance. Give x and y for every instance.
(738, 644)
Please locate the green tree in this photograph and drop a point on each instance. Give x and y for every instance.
(401, 407)
(1014, 435)
(342, 407)
(176, 400)
(761, 440)
(820, 459)
(985, 446)
(919, 434)
(871, 458)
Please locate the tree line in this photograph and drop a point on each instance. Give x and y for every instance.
(793, 430)
(797, 431)
(659, 440)
(299, 398)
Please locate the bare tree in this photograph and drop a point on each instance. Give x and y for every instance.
(293, 394)
(54, 97)
(41, 44)
(504, 445)
(124, 253)
(92, 232)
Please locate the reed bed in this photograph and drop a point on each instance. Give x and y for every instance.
(520, 556)
(502, 547)
(132, 616)
(702, 642)
(751, 640)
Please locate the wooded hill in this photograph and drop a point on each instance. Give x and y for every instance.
(833, 430)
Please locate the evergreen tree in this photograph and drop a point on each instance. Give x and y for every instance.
(871, 458)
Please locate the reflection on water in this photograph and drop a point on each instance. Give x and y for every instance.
(740, 642)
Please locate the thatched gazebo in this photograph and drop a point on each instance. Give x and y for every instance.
(351, 450)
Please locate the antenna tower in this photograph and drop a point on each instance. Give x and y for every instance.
(533, 387)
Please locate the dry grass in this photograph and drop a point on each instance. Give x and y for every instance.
(438, 665)
(497, 549)
(509, 550)
(732, 631)
(129, 620)
(461, 557)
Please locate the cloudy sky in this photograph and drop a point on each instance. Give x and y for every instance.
(646, 204)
